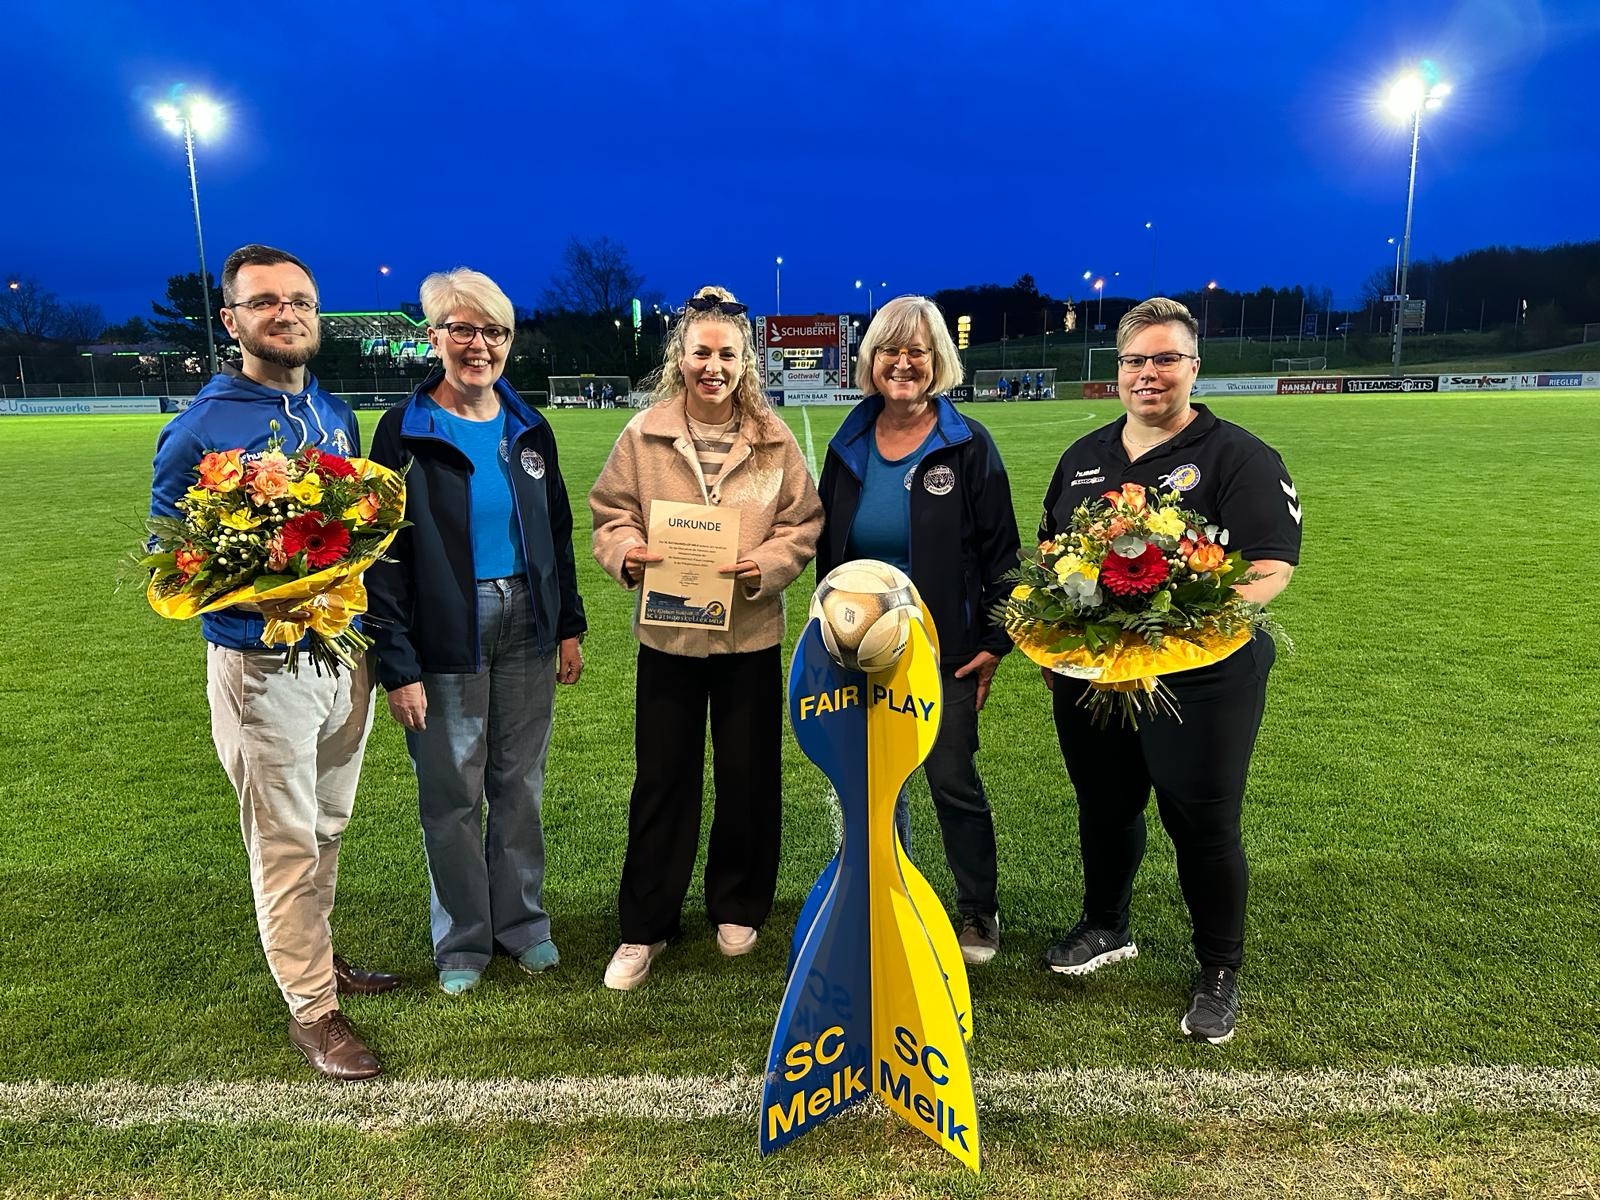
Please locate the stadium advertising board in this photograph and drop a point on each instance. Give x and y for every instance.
(1100, 390)
(1477, 383)
(804, 380)
(822, 396)
(1360, 384)
(798, 346)
(1244, 385)
(1307, 385)
(961, 393)
(75, 406)
(1553, 379)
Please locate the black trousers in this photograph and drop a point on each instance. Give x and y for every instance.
(966, 823)
(1198, 768)
(744, 694)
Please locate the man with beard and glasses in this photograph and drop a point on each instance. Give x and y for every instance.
(291, 744)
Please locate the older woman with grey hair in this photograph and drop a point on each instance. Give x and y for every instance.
(910, 481)
(476, 619)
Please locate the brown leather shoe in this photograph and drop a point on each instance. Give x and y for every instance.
(353, 981)
(333, 1048)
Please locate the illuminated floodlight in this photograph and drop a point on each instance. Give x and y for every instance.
(1412, 92)
(186, 115)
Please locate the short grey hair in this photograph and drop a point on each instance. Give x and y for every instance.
(445, 292)
(1157, 310)
(899, 323)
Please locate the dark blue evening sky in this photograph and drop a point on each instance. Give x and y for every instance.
(925, 145)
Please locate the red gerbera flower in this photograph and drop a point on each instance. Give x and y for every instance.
(330, 465)
(1134, 576)
(324, 540)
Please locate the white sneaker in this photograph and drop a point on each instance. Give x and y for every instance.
(630, 965)
(734, 940)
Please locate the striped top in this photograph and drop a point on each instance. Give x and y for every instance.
(712, 445)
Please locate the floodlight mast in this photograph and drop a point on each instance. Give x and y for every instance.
(1409, 95)
(192, 114)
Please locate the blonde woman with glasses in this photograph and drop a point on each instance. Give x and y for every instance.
(477, 619)
(911, 481)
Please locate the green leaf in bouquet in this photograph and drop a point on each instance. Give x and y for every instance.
(265, 583)
(1098, 636)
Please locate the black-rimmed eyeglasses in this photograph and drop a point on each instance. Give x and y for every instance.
(728, 308)
(1166, 360)
(462, 333)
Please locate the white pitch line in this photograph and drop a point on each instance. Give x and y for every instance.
(811, 454)
(1089, 1093)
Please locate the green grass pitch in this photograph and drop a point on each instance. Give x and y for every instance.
(1423, 826)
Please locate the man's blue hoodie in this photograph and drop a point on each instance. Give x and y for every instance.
(235, 412)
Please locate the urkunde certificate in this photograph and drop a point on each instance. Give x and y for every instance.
(684, 587)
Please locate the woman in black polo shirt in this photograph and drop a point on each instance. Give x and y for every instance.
(1196, 765)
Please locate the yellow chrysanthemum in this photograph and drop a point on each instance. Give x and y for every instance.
(1167, 521)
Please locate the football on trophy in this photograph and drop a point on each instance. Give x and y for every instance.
(865, 609)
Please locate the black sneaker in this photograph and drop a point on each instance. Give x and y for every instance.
(979, 937)
(1214, 1008)
(1087, 949)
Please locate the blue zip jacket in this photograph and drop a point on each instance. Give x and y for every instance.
(423, 605)
(963, 529)
(232, 412)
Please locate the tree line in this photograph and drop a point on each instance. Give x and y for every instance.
(583, 319)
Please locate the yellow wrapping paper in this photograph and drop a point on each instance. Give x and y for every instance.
(1131, 662)
(326, 602)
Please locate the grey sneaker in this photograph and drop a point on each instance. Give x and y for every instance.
(979, 937)
(1087, 949)
(1214, 1007)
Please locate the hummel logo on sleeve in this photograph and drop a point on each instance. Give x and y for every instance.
(1288, 490)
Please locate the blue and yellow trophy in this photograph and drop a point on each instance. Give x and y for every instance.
(877, 999)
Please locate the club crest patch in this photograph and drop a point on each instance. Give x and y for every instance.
(1184, 478)
(939, 481)
(505, 450)
(341, 442)
(533, 463)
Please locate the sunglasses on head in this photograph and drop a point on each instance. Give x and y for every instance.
(728, 308)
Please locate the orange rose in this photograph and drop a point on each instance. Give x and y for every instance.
(366, 509)
(267, 485)
(189, 560)
(1207, 557)
(221, 470)
(1133, 496)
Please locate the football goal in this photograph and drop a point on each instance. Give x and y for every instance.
(1291, 365)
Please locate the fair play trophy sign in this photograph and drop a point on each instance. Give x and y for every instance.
(877, 1000)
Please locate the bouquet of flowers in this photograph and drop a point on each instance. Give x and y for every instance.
(1135, 589)
(288, 534)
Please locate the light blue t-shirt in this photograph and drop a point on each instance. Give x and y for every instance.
(496, 538)
(882, 528)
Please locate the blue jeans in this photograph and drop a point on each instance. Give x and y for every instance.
(484, 743)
